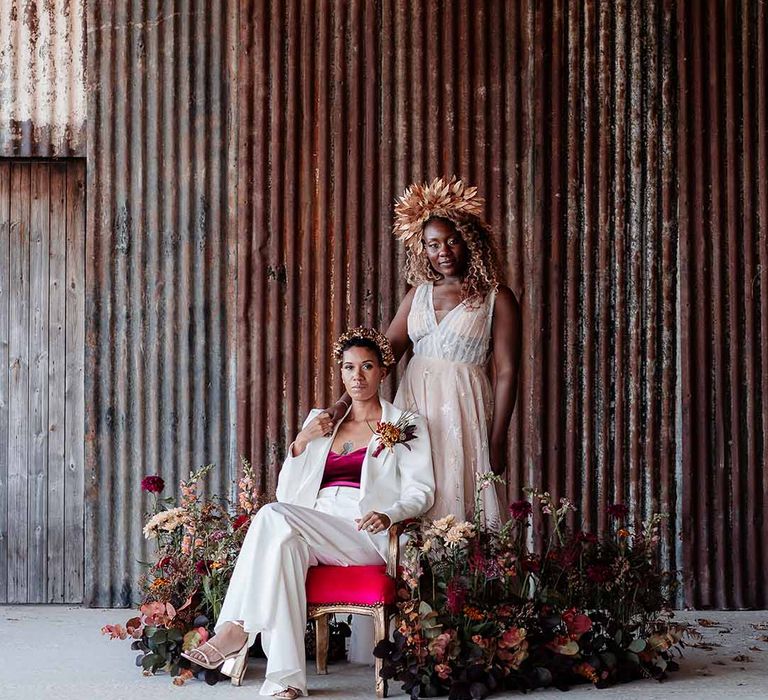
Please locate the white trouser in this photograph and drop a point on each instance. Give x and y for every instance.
(268, 586)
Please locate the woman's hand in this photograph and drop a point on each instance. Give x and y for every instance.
(319, 426)
(499, 457)
(337, 411)
(374, 522)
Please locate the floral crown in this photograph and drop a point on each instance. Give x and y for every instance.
(453, 200)
(379, 339)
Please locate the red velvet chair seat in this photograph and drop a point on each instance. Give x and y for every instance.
(355, 585)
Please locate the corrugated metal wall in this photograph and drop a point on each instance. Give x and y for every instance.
(160, 351)
(42, 78)
(723, 162)
(621, 147)
(564, 116)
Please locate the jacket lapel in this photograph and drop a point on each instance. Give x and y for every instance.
(319, 458)
(371, 464)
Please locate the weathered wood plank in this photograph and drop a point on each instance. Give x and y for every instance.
(5, 225)
(18, 385)
(74, 487)
(37, 557)
(56, 366)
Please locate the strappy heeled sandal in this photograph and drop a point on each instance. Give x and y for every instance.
(288, 694)
(233, 664)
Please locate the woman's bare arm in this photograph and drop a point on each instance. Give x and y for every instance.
(507, 341)
(398, 328)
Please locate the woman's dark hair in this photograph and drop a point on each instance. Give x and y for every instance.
(363, 343)
(362, 337)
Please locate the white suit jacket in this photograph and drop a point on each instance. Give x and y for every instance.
(399, 483)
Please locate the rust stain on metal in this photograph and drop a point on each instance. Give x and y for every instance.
(581, 190)
(160, 275)
(42, 78)
(723, 226)
(239, 216)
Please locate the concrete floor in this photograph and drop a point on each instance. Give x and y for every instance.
(57, 652)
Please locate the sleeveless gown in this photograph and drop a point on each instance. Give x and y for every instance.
(447, 382)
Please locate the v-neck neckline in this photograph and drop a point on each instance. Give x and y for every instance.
(439, 322)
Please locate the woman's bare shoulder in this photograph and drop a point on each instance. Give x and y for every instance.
(506, 299)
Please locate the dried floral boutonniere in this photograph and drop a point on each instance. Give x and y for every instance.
(399, 433)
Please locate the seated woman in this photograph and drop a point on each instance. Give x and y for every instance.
(338, 493)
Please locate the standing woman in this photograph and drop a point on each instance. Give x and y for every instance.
(460, 322)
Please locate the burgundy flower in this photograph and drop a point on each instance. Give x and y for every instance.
(477, 561)
(599, 573)
(530, 563)
(456, 594)
(152, 484)
(520, 510)
(569, 557)
(618, 511)
(586, 537)
(240, 520)
(202, 567)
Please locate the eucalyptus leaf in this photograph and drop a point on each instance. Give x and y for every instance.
(151, 661)
(637, 645)
(175, 634)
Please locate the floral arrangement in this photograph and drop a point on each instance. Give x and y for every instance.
(481, 611)
(399, 433)
(183, 589)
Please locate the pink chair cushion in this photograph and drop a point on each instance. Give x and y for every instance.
(357, 585)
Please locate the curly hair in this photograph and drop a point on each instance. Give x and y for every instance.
(366, 338)
(483, 270)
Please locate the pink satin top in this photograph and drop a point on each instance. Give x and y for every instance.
(343, 470)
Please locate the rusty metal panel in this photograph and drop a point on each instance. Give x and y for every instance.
(615, 144)
(563, 114)
(160, 267)
(42, 78)
(722, 160)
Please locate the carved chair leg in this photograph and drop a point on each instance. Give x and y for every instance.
(321, 644)
(380, 632)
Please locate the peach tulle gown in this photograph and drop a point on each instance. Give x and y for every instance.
(447, 382)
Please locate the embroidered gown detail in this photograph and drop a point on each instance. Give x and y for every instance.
(447, 382)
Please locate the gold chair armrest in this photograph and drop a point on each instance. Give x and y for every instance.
(393, 554)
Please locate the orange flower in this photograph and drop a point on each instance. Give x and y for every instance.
(587, 671)
(473, 613)
(623, 533)
(159, 583)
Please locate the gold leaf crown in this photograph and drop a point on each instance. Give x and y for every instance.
(453, 200)
(379, 339)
